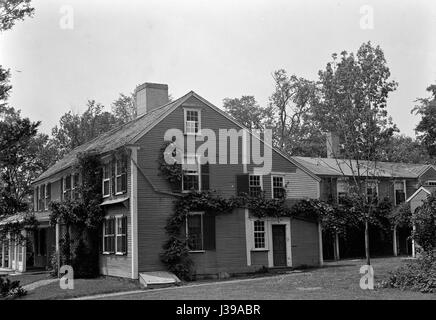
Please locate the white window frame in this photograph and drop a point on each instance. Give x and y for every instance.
(185, 117)
(431, 181)
(370, 182)
(106, 179)
(64, 191)
(119, 176)
(105, 235)
(117, 219)
(73, 188)
(46, 197)
(42, 199)
(201, 213)
(264, 232)
(260, 181)
(198, 163)
(276, 175)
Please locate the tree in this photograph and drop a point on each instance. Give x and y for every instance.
(247, 111)
(13, 10)
(424, 220)
(354, 93)
(402, 148)
(426, 128)
(291, 106)
(124, 108)
(18, 160)
(76, 129)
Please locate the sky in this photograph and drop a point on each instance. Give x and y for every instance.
(218, 48)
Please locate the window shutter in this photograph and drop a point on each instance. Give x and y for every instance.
(209, 234)
(48, 193)
(125, 232)
(62, 188)
(205, 177)
(113, 177)
(242, 184)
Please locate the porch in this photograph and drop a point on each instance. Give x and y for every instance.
(30, 252)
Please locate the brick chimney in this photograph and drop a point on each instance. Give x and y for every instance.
(149, 96)
(333, 148)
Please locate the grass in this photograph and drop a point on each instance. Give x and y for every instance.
(26, 278)
(337, 280)
(82, 287)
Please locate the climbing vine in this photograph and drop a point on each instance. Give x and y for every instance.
(172, 172)
(81, 216)
(16, 227)
(176, 253)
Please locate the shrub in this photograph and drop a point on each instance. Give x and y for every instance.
(418, 275)
(424, 218)
(10, 289)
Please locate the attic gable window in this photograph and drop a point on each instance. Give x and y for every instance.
(192, 121)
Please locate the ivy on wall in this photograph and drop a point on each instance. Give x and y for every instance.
(15, 229)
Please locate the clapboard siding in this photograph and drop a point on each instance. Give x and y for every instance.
(418, 200)
(118, 265)
(304, 242)
(154, 207)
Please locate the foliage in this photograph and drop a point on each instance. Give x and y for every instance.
(401, 215)
(12, 11)
(10, 289)
(291, 113)
(124, 108)
(424, 219)
(82, 215)
(76, 129)
(15, 228)
(404, 149)
(18, 160)
(247, 111)
(426, 108)
(419, 275)
(176, 254)
(171, 172)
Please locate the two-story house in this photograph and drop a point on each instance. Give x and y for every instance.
(138, 200)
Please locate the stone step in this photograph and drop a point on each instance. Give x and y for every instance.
(158, 279)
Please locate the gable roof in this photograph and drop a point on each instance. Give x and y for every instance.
(340, 167)
(132, 131)
(115, 138)
(421, 189)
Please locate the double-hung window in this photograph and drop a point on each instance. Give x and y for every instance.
(400, 195)
(278, 187)
(192, 121)
(255, 185)
(67, 187)
(47, 195)
(109, 235)
(115, 235)
(121, 175)
(194, 231)
(42, 198)
(371, 191)
(259, 234)
(106, 180)
(191, 174)
(121, 235)
(75, 186)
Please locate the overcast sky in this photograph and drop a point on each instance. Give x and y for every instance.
(217, 48)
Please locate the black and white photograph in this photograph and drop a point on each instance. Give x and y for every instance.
(217, 151)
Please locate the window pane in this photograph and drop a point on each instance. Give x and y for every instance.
(195, 232)
(259, 234)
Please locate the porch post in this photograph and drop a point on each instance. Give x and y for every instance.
(16, 253)
(9, 252)
(395, 242)
(134, 211)
(321, 258)
(24, 251)
(3, 255)
(413, 244)
(336, 247)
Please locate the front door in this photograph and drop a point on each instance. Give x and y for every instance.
(279, 245)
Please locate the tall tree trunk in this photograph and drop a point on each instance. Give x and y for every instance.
(368, 260)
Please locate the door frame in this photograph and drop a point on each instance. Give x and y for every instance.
(272, 242)
(287, 223)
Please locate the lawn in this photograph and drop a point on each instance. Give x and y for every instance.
(337, 280)
(82, 287)
(27, 278)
